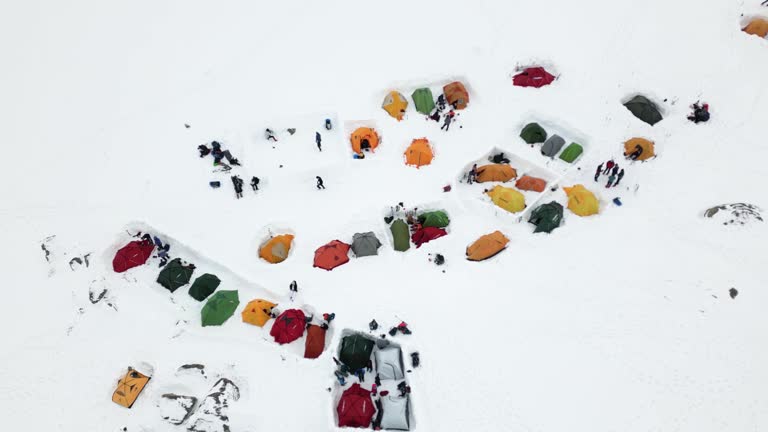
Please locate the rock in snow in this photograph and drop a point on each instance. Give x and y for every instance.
(735, 214)
(176, 408)
(211, 415)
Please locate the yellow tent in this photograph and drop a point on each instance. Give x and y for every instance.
(276, 249)
(647, 146)
(509, 199)
(581, 201)
(257, 312)
(395, 104)
(419, 153)
(487, 246)
(757, 27)
(129, 387)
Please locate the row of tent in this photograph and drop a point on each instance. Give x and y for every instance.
(418, 153)
(533, 133)
(395, 104)
(433, 225)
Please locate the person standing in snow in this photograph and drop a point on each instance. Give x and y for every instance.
(318, 140)
(440, 103)
(609, 166)
(447, 120)
(611, 178)
(615, 169)
(255, 183)
(472, 176)
(237, 183)
(294, 289)
(270, 135)
(619, 177)
(599, 171)
(320, 184)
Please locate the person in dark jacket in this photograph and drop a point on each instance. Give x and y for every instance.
(611, 178)
(599, 171)
(447, 120)
(636, 154)
(320, 184)
(700, 113)
(219, 154)
(615, 169)
(204, 150)
(440, 103)
(619, 177)
(318, 140)
(472, 175)
(270, 135)
(255, 183)
(237, 182)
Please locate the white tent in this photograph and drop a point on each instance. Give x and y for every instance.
(394, 413)
(389, 363)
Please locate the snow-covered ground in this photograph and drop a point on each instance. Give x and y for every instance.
(619, 321)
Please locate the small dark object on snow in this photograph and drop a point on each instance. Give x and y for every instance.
(617, 201)
(291, 131)
(320, 184)
(215, 184)
(328, 125)
(393, 331)
(733, 292)
(186, 126)
(373, 325)
(415, 361)
(447, 188)
(439, 259)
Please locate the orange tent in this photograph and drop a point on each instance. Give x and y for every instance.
(276, 249)
(495, 173)
(456, 94)
(419, 153)
(257, 312)
(395, 104)
(364, 138)
(647, 146)
(315, 342)
(757, 27)
(332, 255)
(529, 183)
(487, 246)
(129, 387)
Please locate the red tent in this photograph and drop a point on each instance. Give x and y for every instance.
(355, 407)
(533, 77)
(315, 343)
(426, 234)
(289, 326)
(132, 255)
(332, 255)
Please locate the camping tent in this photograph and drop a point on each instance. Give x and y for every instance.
(276, 249)
(204, 286)
(394, 413)
(495, 173)
(175, 274)
(757, 27)
(552, 145)
(487, 246)
(332, 255)
(355, 408)
(315, 342)
(364, 138)
(257, 312)
(533, 133)
(649, 150)
(437, 218)
(509, 199)
(389, 363)
(129, 387)
(400, 235)
(419, 153)
(572, 152)
(533, 77)
(423, 100)
(219, 307)
(132, 255)
(365, 244)
(456, 95)
(395, 104)
(546, 217)
(581, 201)
(528, 183)
(355, 351)
(427, 234)
(644, 109)
(289, 326)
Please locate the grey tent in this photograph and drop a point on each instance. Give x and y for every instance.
(552, 145)
(365, 244)
(394, 413)
(644, 109)
(389, 363)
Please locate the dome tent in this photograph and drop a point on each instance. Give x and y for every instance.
(419, 153)
(355, 408)
(546, 217)
(572, 152)
(427, 234)
(400, 235)
(331, 255)
(289, 326)
(220, 306)
(355, 351)
(644, 109)
(365, 244)
(389, 363)
(509, 199)
(395, 413)
(276, 249)
(129, 387)
(581, 201)
(364, 138)
(487, 246)
(423, 100)
(552, 145)
(175, 274)
(437, 218)
(204, 286)
(456, 94)
(495, 173)
(395, 104)
(533, 133)
(528, 183)
(132, 255)
(257, 312)
(533, 77)
(757, 27)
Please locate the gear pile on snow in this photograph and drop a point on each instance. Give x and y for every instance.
(735, 214)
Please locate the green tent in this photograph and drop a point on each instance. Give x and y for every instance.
(219, 308)
(204, 286)
(356, 351)
(547, 217)
(423, 100)
(644, 109)
(401, 235)
(437, 219)
(175, 275)
(572, 152)
(533, 133)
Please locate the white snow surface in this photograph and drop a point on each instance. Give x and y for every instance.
(619, 321)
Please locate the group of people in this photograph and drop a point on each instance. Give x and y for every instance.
(612, 170)
(237, 183)
(217, 153)
(448, 117)
(162, 248)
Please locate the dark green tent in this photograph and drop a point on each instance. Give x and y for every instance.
(533, 133)
(438, 219)
(572, 152)
(356, 351)
(423, 100)
(175, 275)
(547, 217)
(204, 286)
(401, 235)
(644, 109)
(219, 308)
